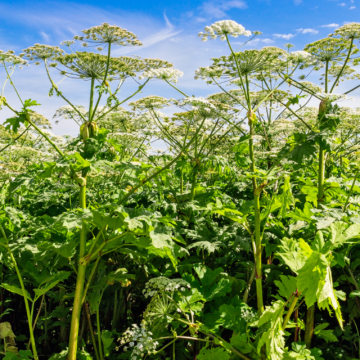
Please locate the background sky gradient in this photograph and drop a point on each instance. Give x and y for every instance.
(168, 30)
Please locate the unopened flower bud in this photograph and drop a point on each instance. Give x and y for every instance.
(84, 131)
(93, 129)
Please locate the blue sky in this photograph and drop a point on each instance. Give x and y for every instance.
(168, 30)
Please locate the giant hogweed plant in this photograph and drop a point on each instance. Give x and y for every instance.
(192, 226)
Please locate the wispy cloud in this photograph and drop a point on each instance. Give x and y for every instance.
(330, 25)
(261, 41)
(45, 36)
(342, 4)
(352, 7)
(152, 39)
(284, 36)
(216, 9)
(297, 2)
(307, 31)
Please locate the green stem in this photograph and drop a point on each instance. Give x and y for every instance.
(248, 287)
(99, 334)
(91, 331)
(28, 119)
(59, 93)
(309, 326)
(291, 310)
(353, 278)
(120, 103)
(28, 313)
(258, 248)
(351, 189)
(176, 89)
(80, 280)
(91, 99)
(344, 65)
(103, 83)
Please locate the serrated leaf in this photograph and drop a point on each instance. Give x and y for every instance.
(286, 285)
(213, 354)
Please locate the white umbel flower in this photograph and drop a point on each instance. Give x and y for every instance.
(222, 29)
(168, 74)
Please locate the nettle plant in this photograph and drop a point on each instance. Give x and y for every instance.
(239, 241)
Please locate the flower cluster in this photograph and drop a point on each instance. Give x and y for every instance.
(87, 65)
(248, 315)
(348, 31)
(10, 58)
(139, 340)
(223, 28)
(300, 56)
(331, 97)
(196, 103)
(109, 34)
(168, 74)
(40, 52)
(212, 72)
(149, 102)
(163, 284)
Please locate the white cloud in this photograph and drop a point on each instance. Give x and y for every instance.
(352, 7)
(297, 2)
(258, 41)
(308, 31)
(152, 39)
(284, 36)
(45, 36)
(217, 10)
(330, 25)
(342, 4)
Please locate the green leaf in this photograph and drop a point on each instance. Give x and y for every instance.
(310, 275)
(327, 335)
(67, 250)
(273, 337)
(15, 290)
(29, 103)
(287, 286)
(22, 355)
(232, 318)
(292, 254)
(272, 313)
(13, 123)
(52, 282)
(354, 293)
(213, 354)
(303, 215)
(286, 198)
(107, 339)
(240, 343)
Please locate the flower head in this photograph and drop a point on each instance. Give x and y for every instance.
(223, 29)
(109, 34)
(169, 74)
(10, 58)
(40, 52)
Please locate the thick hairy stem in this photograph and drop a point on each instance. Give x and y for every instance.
(310, 314)
(80, 280)
(258, 261)
(309, 326)
(257, 232)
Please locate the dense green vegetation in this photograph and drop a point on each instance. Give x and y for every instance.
(241, 241)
